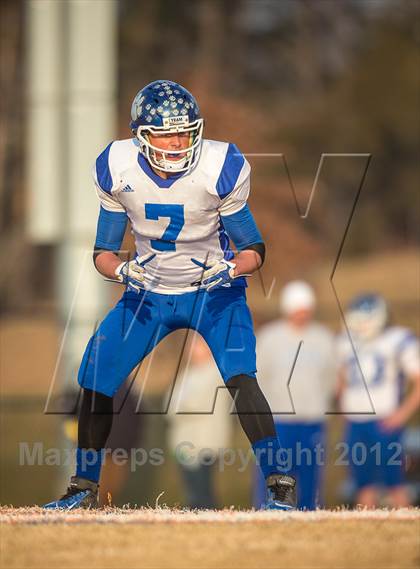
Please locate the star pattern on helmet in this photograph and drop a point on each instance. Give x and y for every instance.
(162, 99)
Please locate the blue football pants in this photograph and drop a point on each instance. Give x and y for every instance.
(138, 322)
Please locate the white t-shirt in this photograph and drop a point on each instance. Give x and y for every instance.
(176, 220)
(310, 368)
(375, 372)
(199, 412)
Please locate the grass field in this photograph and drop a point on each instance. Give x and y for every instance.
(165, 538)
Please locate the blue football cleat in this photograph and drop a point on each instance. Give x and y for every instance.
(81, 493)
(281, 493)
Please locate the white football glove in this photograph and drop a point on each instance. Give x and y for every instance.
(220, 273)
(132, 273)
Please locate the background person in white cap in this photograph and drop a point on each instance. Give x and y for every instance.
(296, 370)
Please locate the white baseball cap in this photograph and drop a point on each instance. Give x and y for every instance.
(297, 295)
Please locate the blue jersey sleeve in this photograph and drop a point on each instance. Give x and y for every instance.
(102, 171)
(233, 184)
(241, 228)
(111, 229)
(230, 172)
(106, 182)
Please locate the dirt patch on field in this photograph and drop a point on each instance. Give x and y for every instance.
(244, 541)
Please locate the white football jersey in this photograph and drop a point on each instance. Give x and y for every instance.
(374, 380)
(176, 220)
(296, 370)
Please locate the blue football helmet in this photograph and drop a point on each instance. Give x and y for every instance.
(366, 316)
(164, 107)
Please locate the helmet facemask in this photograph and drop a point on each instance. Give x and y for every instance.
(163, 159)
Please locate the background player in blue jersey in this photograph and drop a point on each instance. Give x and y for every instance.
(184, 197)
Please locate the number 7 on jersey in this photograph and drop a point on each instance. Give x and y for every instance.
(175, 213)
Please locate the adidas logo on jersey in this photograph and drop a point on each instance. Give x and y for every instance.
(127, 188)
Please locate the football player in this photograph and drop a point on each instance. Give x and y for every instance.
(377, 361)
(184, 197)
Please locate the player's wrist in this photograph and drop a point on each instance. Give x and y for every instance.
(246, 262)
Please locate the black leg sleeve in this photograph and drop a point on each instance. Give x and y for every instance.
(95, 420)
(252, 407)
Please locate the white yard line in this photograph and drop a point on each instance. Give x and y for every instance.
(166, 515)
